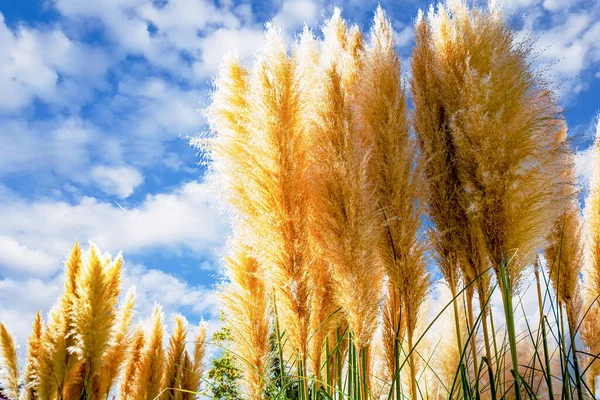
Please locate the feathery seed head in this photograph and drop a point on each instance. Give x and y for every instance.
(246, 302)
(173, 373)
(93, 314)
(343, 202)
(33, 355)
(120, 339)
(149, 378)
(592, 240)
(130, 374)
(485, 84)
(9, 369)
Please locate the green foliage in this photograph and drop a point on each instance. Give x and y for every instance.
(224, 376)
(281, 383)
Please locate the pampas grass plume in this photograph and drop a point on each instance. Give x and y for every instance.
(9, 371)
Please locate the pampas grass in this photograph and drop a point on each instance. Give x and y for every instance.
(119, 342)
(246, 305)
(149, 378)
(93, 312)
(33, 351)
(9, 374)
(105, 357)
(132, 363)
(246, 299)
(175, 359)
(508, 179)
(396, 171)
(591, 323)
(482, 162)
(343, 207)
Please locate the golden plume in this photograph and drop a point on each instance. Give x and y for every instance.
(281, 197)
(446, 205)
(9, 371)
(509, 176)
(129, 376)
(229, 147)
(324, 317)
(119, 343)
(173, 371)
(593, 220)
(564, 258)
(192, 369)
(396, 171)
(246, 297)
(343, 203)
(245, 300)
(193, 384)
(33, 354)
(148, 382)
(501, 124)
(55, 364)
(591, 322)
(49, 366)
(93, 313)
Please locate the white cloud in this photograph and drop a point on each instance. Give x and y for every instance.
(243, 41)
(568, 48)
(173, 294)
(162, 108)
(57, 146)
(167, 35)
(293, 14)
(405, 36)
(20, 258)
(583, 165)
(183, 219)
(134, 126)
(558, 5)
(21, 299)
(120, 181)
(46, 65)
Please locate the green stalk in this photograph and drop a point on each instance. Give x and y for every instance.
(465, 382)
(396, 377)
(301, 392)
(413, 367)
(547, 356)
(327, 370)
(455, 304)
(510, 325)
(364, 376)
(576, 367)
(571, 322)
(544, 336)
(356, 372)
(279, 348)
(496, 354)
(486, 338)
(338, 356)
(566, 378)
(350, 367)
(471, 320)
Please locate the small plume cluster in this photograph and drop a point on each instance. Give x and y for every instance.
(87, 349)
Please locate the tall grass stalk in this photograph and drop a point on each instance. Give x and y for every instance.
(505, 286)
(542, 324)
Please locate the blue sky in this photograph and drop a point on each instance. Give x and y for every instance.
(98, 98)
